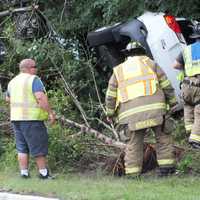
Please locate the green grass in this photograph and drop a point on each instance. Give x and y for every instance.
(99, 187)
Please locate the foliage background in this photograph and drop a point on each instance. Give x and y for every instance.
(72, 20)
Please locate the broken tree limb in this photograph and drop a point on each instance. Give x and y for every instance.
(98, 96)
(97, 134)
(17, 10)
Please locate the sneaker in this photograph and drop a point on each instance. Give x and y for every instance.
(25, 176)
(48, 176)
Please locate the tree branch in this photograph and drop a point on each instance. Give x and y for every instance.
(17, 10)
(84, 129)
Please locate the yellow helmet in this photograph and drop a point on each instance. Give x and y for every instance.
(134, 45)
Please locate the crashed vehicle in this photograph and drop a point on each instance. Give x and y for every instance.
(163, 36)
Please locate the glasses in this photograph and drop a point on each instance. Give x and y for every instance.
(33, 66)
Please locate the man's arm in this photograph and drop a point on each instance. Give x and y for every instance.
(179, 62)
(43, 102)
(111, 96)
(166, 86)
(42, 99)
(177, 65)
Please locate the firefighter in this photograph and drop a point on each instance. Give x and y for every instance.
(188, 62)
(137, 96)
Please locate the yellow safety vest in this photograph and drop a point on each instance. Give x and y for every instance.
(135, 78)
(192, 67)
(23, 104)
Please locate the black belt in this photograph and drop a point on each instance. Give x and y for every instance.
(189, 82)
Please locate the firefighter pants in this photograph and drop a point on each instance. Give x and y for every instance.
(134, 150)
(191, 97)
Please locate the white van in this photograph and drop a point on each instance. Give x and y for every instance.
(163, 36)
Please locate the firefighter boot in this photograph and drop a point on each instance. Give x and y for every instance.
(166, 171)
(133, 176)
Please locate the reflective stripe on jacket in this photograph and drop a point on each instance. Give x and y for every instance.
(191, 57)
(166, 162)
(23, 104)
(135, 78)
(140, 109)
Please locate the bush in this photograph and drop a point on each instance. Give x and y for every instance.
(64, 151)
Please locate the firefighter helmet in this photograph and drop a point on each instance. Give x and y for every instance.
(134, 45)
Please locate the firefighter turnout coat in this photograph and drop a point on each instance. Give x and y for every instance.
(138, 93)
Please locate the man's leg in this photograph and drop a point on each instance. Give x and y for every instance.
(134, 154)
(188, 117)
(23, 159)
(38, 144)
(22, 148)
(194, 138)
(41, 162)
(164, 150)
(42, 166)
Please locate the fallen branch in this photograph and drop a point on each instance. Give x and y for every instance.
(17, 10)
(84, 129)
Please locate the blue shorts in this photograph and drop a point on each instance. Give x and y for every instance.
(31, 137)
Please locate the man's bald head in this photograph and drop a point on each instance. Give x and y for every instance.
(26, 64)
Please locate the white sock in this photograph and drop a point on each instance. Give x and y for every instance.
(43, 172)
(24, 172)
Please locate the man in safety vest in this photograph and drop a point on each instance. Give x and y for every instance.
(29, 108)
(137, 95)
(189, 62)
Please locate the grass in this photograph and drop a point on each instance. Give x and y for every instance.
(99, 187)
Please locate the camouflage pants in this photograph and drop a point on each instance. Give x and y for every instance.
(134, 150)
(191, 96)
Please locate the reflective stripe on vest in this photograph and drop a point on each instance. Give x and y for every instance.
(192, 67)
(23, 103)
(135, 78)
(140, 109)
